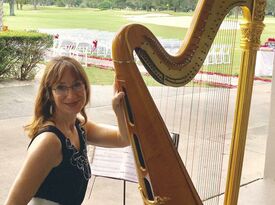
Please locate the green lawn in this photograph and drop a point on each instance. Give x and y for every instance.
(108, 20)
(55, 17)
(99, 76)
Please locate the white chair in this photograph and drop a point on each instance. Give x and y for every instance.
(211, 56)
(225, 52)
(63, 47)
(81, 52)
(104, 48)
(218, 54)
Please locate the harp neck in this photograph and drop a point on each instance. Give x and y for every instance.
(181, 68)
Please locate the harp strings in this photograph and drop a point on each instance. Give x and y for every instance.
(199, 113)
(214, 130)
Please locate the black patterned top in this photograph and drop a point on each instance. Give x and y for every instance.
(66, 184)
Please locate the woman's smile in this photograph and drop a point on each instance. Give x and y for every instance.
(72, 104)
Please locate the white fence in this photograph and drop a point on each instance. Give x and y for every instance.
(87, 44)
(85, 51)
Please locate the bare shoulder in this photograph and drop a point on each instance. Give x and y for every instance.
(47, 144)
(47, 139)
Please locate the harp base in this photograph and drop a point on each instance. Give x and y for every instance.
(157, 199)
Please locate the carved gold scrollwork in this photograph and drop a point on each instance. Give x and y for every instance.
(259, 11)
(157, 200)
(251, 34)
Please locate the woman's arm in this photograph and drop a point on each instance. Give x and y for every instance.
(117, 104)
(106, 135)
(43, 154)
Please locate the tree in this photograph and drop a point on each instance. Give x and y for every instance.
(19, 4)
(133, 4)
(34, 4)
(270, 7)
(146, 5)
(119, 4)
(11, 3)
(1, 14)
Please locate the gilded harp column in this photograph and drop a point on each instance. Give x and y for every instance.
(169, 183)
(251, 30)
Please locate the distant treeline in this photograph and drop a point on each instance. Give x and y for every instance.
(148, 5)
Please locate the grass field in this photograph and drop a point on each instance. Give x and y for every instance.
(59, 17)
(99, 76)
(107, 20)
(55, 17)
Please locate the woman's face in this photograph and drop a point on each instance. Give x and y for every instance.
(69, 94)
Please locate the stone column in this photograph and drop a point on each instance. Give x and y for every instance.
(269, 171)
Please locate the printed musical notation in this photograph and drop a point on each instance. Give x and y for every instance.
(115, 163)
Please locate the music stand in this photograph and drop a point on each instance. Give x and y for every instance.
(118, 163)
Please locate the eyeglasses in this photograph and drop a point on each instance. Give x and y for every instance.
(63, 90)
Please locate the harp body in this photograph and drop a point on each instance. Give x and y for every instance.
(163, 178)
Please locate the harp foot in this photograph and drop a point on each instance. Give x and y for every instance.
(157, 199)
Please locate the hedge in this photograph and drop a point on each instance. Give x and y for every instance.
(20, 52)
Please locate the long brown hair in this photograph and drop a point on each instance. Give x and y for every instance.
(44, 103)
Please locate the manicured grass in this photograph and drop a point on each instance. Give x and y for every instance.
(99, 76)
(55, 17)
(110, 20)
(52, 17)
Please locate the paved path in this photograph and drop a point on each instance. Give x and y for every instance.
(16, 102)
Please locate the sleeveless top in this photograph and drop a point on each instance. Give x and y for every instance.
(66, 184)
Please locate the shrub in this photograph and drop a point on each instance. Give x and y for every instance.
(105, 5)
(20, 52)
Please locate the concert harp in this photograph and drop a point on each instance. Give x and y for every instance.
(163, 178)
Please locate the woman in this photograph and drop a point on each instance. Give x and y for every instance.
(56, 170)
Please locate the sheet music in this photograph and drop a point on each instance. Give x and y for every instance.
(114, 163)
(118, 163)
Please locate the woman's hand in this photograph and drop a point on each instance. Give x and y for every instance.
(117, 99)
(117, 104)
(106, 135)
